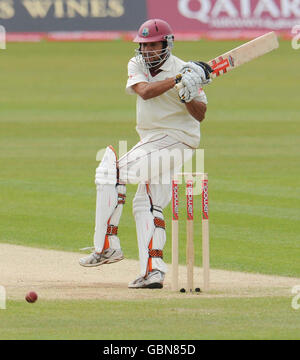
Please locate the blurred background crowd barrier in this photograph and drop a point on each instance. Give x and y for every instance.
(68, 20)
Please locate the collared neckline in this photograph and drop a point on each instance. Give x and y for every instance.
(167, 64)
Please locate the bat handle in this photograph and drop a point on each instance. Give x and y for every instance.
(178, 85)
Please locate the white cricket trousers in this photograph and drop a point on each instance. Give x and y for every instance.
(151, 164)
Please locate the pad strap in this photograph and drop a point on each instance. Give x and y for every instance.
(159, 223)
(112, 230)
(121, 198)
(156, 208)
(155, 253)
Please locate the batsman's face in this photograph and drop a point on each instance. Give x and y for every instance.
(152, 52)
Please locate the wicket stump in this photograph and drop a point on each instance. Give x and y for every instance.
(190, 231)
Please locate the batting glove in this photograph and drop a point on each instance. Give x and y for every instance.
(200, 71)
(190, 89)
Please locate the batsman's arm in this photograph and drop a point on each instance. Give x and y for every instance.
(197, 109)
(150, 90)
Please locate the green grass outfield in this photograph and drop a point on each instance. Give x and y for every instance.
(62, 102)
(255, 318)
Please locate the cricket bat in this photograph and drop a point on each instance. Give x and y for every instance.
(241, 55)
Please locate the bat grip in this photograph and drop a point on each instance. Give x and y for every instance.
(178, 86)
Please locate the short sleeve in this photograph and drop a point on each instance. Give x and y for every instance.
(135, 75)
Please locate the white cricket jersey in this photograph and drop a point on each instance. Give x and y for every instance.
(165, 113)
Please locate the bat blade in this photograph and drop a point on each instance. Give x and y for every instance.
(242, 54)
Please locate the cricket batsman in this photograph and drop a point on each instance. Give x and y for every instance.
(168, 122)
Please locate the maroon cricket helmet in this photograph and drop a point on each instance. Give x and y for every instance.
(154, 30)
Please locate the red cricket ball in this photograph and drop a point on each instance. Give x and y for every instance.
(31, 297)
